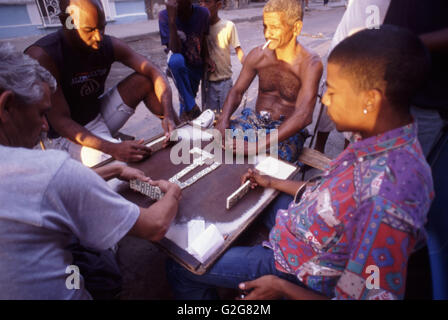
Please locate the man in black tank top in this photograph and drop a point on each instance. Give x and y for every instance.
(79, 56)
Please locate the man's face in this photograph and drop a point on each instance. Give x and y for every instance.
(345, 104)
(29, 121)
(276, 29)
(89, 22)
(212, 5)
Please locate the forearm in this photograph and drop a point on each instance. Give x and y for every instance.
(287, 186)
(166, 208)
(231, 103)
(166, 99)
(283, 132)
(109, 172)
(78, 134)
(158, 217)
(291, 126)
(240, 54)
(162, 89)
(174, 43)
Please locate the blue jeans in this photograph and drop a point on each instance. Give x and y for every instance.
(238, 264)
(216, 93)
(187, 79)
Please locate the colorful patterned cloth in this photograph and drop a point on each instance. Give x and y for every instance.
(365, 213)
(288, 149)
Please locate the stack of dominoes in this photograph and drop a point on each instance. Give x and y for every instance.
(156, 144)
(145, 188)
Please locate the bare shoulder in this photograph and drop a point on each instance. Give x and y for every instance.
(44, 59)
(123, 52)
(257, 57)
(117, 42)
(119, 46)
(310, 61)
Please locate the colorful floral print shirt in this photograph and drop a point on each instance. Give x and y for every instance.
(351, 234)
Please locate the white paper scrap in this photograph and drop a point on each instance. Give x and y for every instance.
(195, 228)
(274, 167)
(207, 243)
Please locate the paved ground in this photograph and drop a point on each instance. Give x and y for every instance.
(141, 262)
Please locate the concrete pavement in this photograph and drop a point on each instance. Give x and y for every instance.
(138, 30)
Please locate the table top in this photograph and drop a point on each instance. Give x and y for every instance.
(205, 199)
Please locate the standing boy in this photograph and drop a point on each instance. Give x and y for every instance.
(183, 29)
(222, 35)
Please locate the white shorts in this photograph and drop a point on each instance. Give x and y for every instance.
(113, 115)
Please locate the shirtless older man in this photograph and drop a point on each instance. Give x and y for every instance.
(289, 76)
(79, 56)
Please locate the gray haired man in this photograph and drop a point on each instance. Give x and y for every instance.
(289, 77)
(47, 199)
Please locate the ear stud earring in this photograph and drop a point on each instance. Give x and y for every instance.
(365, 111)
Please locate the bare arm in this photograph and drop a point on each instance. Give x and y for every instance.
(60, 119)
(174, 43)
(120, 171)
(59, 115)
(240, 53)
(154, 222)
(287, 186)
(127, 56)
(271, 287)
(233, 100)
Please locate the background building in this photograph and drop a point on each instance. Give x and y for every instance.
(22, 18)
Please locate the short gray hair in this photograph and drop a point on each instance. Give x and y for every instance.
(292, 9)
(23, 75)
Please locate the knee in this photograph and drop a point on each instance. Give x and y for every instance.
(140, 84)
(176, 62)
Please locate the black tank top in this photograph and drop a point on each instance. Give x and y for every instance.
(82, 74)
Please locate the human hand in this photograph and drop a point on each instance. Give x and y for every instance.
(128, 173)
(130, 151)
(263, 288)
(168, 187)
(256, 179)
(168, 126)
(221, 125)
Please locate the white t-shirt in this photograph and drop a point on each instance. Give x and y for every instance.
(221, 39)
(46, 199)
(360, 14)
